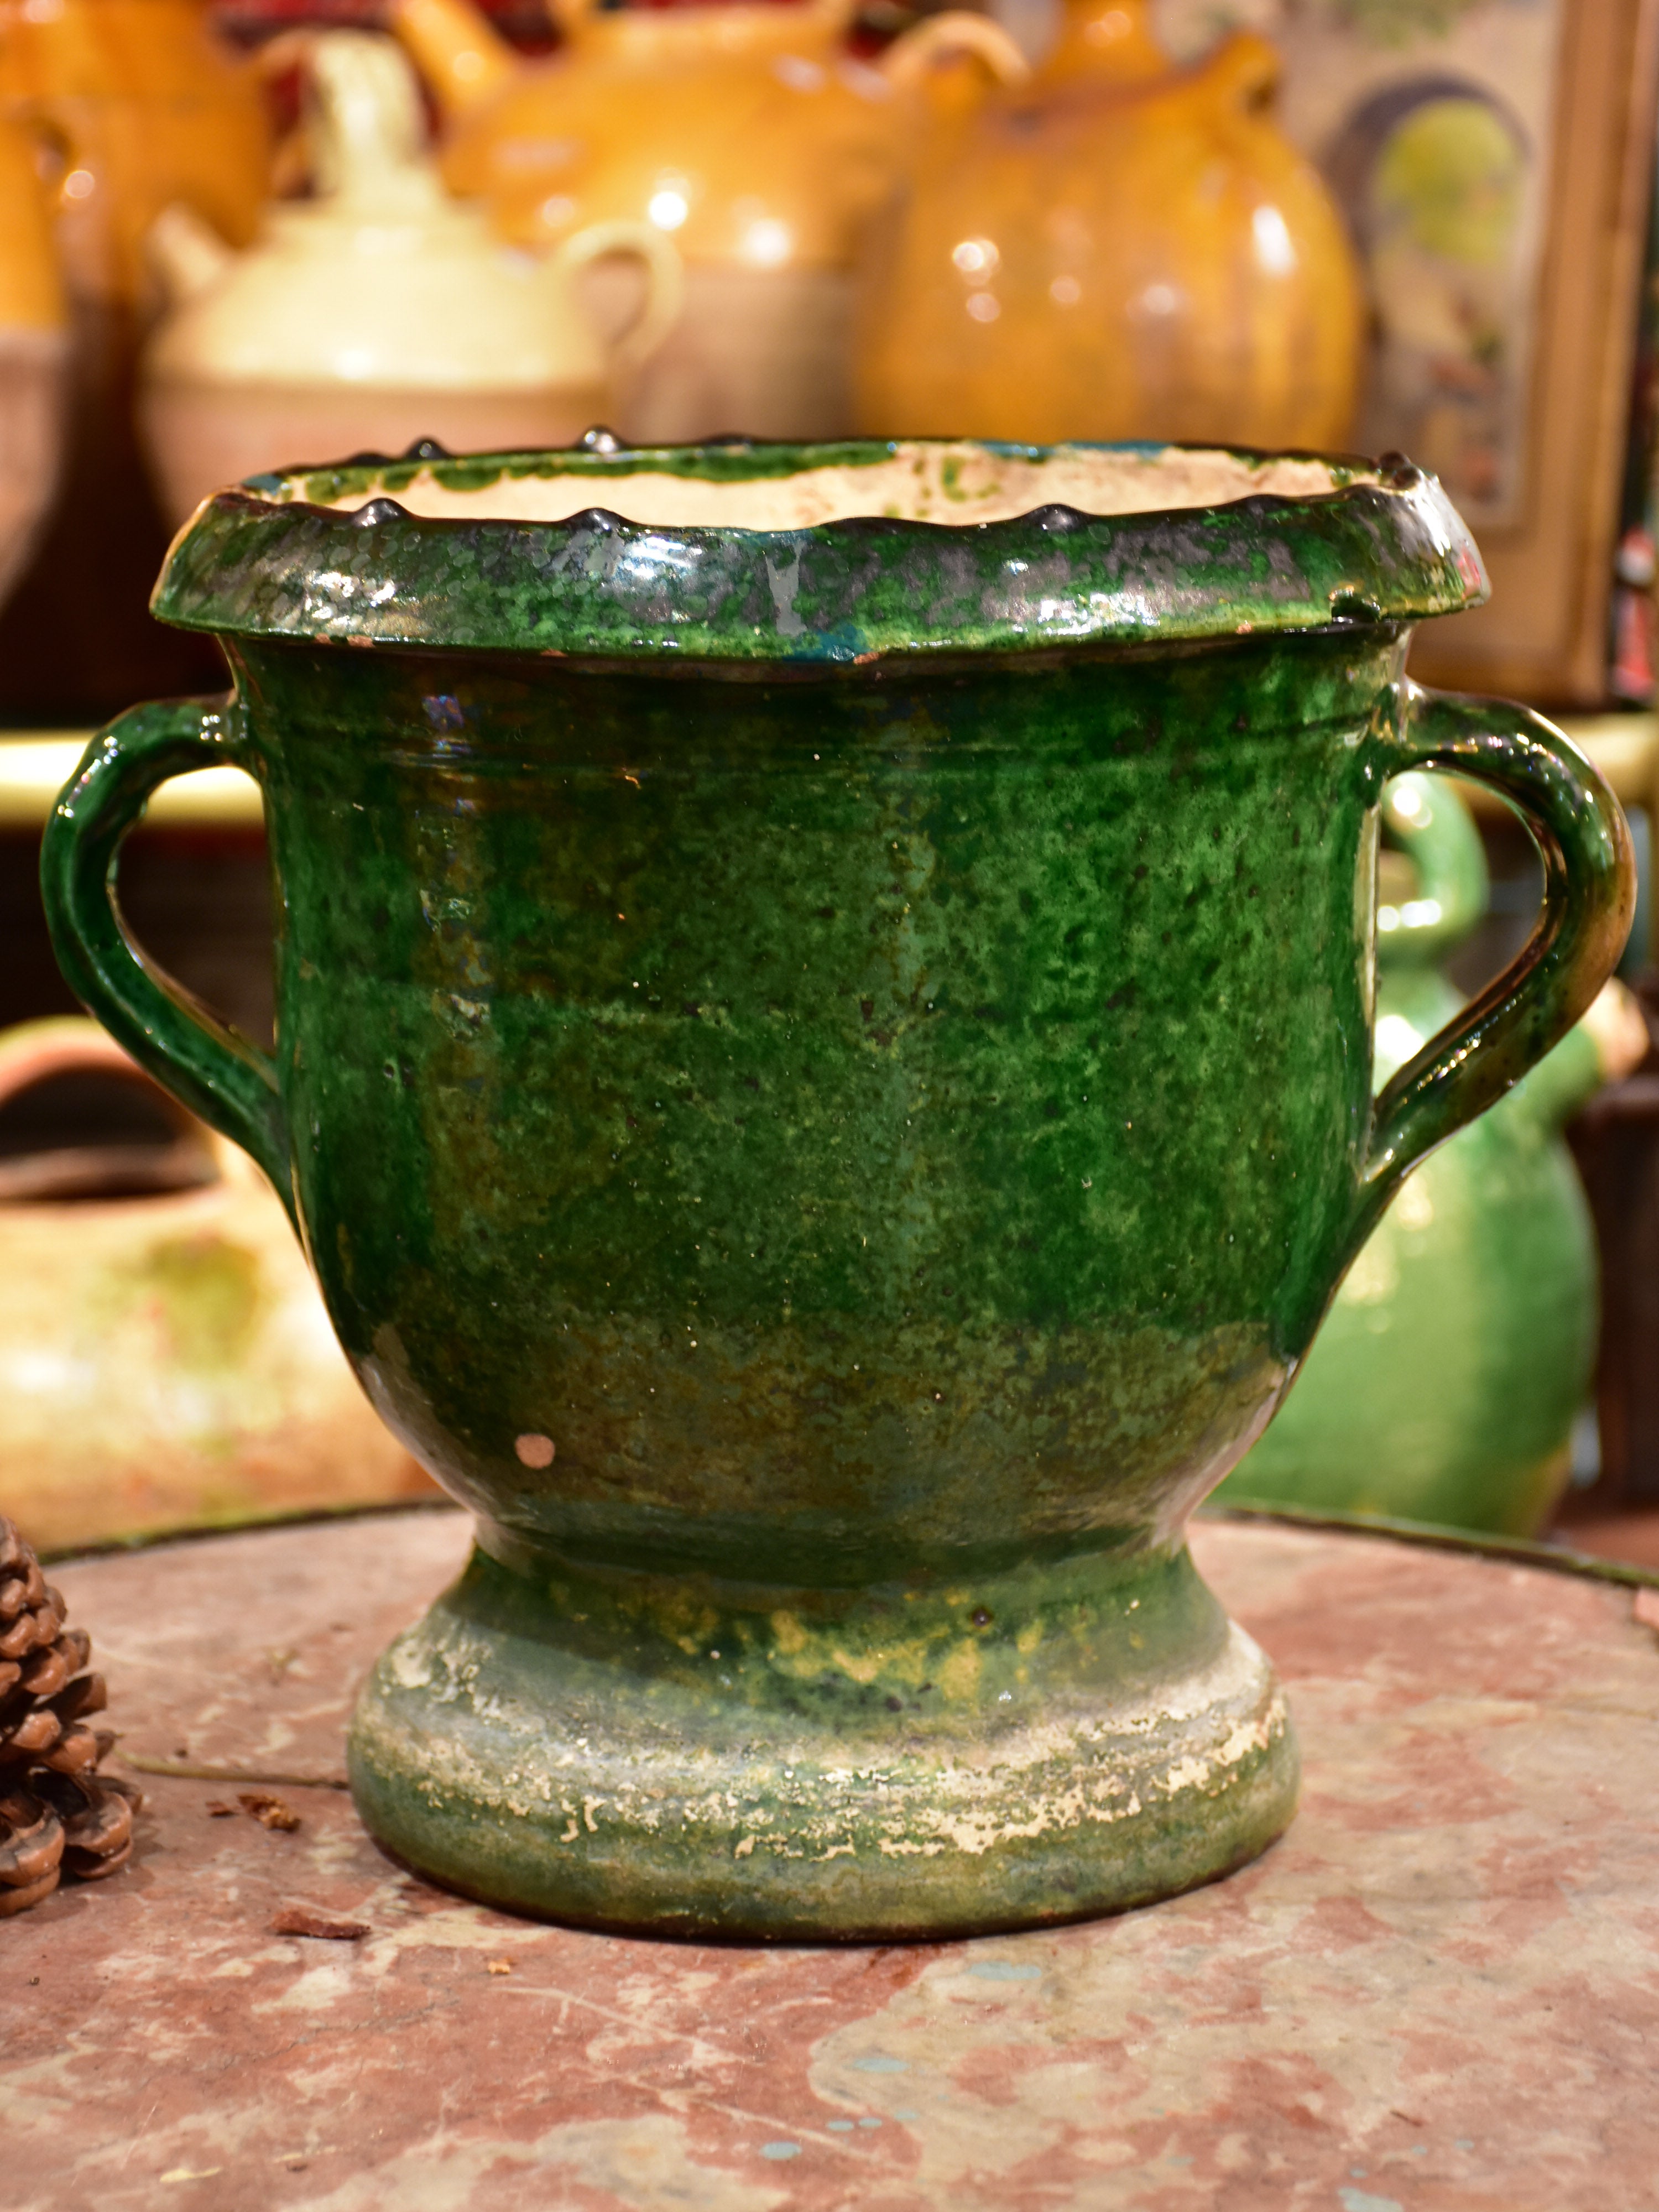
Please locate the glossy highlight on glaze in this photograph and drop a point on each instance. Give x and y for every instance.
(890, 1120)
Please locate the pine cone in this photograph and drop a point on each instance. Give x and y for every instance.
(58, 1814)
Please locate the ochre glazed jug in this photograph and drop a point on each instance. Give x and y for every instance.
(747, 134)
(139, 107)
(824, 1067)
(34, 354)
(145, 108)
(1124, 249)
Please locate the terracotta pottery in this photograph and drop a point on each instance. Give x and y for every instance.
(1124, 250)
(748, 134)
(824, 1070)
(139, 107)
(1459, 1350)
(165, 1360)
(34, 354)
(379, 313)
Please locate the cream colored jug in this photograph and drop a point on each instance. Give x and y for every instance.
(378, 313)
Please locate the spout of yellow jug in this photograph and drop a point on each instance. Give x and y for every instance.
(464, 60)
(1105, 41)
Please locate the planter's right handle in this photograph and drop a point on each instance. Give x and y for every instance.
(222, 1077)
(1589, 897)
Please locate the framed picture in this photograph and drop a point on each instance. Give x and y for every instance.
(1495, 160)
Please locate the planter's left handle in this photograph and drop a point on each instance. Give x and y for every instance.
(217, 1074)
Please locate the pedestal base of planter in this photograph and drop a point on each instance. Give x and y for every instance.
(927, 1758)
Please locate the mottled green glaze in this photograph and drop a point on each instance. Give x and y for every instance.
(817, 1150)
(916, 1756)
(1445, 1382)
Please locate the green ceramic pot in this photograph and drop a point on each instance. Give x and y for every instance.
(1445, 1381)
(824, 1071)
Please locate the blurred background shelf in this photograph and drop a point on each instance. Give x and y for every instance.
(35, 765)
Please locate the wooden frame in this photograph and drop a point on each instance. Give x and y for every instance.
(1543, 635)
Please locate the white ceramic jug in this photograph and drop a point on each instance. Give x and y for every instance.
(378, 314)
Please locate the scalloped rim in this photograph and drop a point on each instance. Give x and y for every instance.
(331, 554)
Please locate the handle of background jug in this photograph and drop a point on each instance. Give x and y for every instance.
(1590, 898)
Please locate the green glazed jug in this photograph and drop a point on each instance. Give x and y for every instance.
(824, 1069)
(1445, 1381)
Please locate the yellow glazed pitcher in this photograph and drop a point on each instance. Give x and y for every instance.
(146, 108)
(34, 354)
(135, 105)
(1126, 249)
(746, 133)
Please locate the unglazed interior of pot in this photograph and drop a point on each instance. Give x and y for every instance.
(950, 483)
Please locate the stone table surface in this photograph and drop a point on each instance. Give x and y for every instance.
(1441, 1989)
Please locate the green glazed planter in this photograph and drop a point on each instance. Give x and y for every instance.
(1445, 1381)
(824, 1071)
